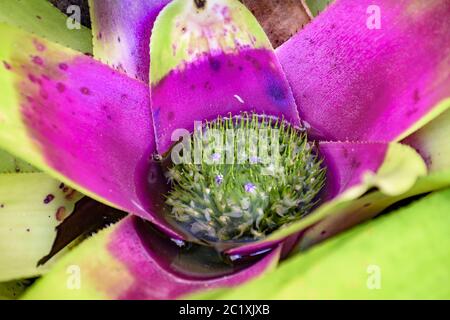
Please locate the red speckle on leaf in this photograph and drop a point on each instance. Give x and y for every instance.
(32, 78)
(85, 91)
(63, 66)
(71, 194)
(38, 60)
(416, 96)
(39, 46)
(43, 94)
(7, 65)
(411, 112)
(60, 87)
(60, 214)
(49, 198)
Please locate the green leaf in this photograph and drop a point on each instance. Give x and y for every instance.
(367, 207)
(92, 255)
(11, 164)
(41, 18)
(399, 172)
(31, 206)
(172, 48)
(402, 255)
(13, 289)
(428, 141)
(16, 47)
(317, 6)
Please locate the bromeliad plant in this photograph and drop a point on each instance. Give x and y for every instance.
(336, 100)
(242, 179)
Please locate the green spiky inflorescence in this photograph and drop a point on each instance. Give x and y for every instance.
(242, 178)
